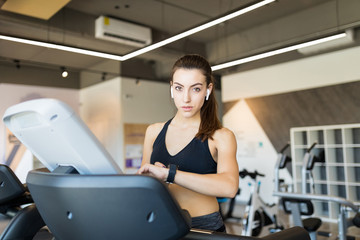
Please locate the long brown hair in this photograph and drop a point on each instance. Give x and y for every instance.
(208, 114)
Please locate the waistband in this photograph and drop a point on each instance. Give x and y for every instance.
(212, 221)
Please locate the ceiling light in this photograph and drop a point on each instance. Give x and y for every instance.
(145, 49)
(196, 29)
(64, 72)
(329, 45)
(62, 47)
(276, 52)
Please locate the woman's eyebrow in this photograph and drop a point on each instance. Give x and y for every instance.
(196, 84)
(190, 86)
(178, 84)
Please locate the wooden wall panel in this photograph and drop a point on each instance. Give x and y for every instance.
(338, 104)
(134, 133)
(228, 105)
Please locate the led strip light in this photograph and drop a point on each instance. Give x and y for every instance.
(180, 36)
(276, 52)
(142, 50)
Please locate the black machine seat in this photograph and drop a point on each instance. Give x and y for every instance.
(305, 207)
(312, 224)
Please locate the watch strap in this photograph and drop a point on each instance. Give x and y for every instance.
(172, 172)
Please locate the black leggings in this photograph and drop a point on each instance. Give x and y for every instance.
(212, 221)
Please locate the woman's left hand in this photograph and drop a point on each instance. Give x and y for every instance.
(158, 170)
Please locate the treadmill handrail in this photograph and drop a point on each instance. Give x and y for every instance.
(336, 199)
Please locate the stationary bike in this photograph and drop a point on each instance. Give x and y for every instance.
(258, 213)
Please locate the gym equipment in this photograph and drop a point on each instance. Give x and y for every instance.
(282, 160)
(229, 213)
(132, 207)
(298, 207)
(76, 201)
(13, 193)
(309, 161)
(344, 206)
(16, 204)
(53, 132)
(258, 213)
(300, 203)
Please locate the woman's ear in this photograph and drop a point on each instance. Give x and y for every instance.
(208, 91)
(171, 89)
(207, 94)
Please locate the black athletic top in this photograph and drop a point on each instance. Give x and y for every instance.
(195, 157)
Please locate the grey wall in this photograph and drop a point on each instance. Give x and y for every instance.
(338, 104)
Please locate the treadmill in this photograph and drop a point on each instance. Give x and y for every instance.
(83, 194)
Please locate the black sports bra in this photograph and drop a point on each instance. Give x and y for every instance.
(195, 157)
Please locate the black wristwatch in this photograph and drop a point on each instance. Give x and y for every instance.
(172, 172)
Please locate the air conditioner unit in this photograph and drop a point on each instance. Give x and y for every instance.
(122, 32)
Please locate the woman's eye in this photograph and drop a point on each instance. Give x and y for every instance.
(197, 89)
(178, 88)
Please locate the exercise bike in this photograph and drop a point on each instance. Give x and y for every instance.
(258, 213)
(281, 162)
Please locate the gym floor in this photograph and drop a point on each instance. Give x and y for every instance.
(233, 226)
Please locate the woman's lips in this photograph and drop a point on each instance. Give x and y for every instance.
(186, 108)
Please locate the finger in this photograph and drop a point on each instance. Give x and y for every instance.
(142, 169)
(159, 164)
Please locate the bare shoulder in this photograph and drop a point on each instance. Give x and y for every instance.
(223, 134)
(152, 132)
(154, 129)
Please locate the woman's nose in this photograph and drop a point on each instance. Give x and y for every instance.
(186, 96)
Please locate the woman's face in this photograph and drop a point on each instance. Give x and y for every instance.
(189, 91)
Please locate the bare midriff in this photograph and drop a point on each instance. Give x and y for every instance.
(196, 204)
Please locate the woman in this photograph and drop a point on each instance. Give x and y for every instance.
(192, 150)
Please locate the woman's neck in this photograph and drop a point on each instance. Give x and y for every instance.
(184, 122)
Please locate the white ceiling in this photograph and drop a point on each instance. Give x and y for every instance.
(278, 24)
